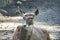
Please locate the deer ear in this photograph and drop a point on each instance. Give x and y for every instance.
(37, 12)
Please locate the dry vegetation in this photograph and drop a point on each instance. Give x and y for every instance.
(8, 24)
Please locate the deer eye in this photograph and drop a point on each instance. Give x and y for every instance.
(31, 17)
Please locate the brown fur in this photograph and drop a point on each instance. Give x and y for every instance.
(17, 33)
(43, 34)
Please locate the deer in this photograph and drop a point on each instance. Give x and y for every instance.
(34, 33)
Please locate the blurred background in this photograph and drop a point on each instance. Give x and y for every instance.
(49, 13)
(49, 9)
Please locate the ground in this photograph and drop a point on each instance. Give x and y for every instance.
(8, 24)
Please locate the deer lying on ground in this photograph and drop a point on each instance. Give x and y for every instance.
(34, 33)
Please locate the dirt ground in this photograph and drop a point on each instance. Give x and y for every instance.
(8, 25)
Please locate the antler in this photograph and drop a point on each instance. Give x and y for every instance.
(21, 10)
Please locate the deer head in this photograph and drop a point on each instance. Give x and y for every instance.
(28, 17)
